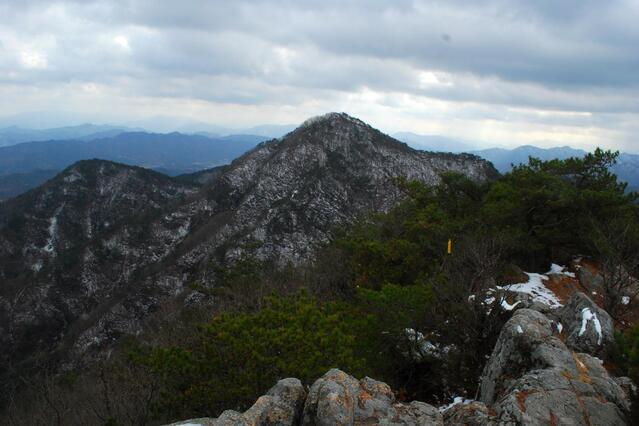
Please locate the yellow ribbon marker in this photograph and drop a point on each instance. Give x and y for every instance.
(450, 246)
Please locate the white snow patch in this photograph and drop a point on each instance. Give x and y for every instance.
(586, 317)
(536, 288)
(559, 327)
(72, 177)
(520, 330)
(425, 347)
(37, 266)
(507, 306)
(625, 300)
(561, 270)
(53, 231)
(456, 401)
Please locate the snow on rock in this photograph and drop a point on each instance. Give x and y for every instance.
(625, 300)
(331, 116)
(535, 287)
(560, 270)
(559, 327)
(586, 317)
(507, 306)
(520, 330)
(53, 231)
(458, 400)
(37, 266)
(425, 347)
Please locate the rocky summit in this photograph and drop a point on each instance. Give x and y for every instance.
(88, 255)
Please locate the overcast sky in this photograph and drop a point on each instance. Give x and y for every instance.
(546, 72)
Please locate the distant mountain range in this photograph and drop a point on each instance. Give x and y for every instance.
(27, 165)
(434, 143)
(35, 155)
(172, 153)
(14, 134)
(503, 159)
(626, 169)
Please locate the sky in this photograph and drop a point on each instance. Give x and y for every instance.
(497, 72)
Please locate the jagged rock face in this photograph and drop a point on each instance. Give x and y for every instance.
(588, 328)
(336, 399)
(288, 194)
(87, 256)
(533, 378)
(71, 244)
(281, 406)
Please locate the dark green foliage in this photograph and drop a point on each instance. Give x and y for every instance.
(551, 208)
(626, 357)
(237, 357)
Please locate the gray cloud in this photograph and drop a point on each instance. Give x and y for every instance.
(574, 57)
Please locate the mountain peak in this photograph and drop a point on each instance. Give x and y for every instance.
(332, 118)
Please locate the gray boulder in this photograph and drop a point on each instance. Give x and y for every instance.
(533, 378)
(281, 406)
(339, 399)
(335, 399)
(205, 421)
(331, 400)
(475, 413)
(588, 277)
(588, 328)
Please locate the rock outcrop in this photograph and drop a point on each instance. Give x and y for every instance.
(336, 399)
(587, 327)
(474, 413)
(281, 406)
(540, 373)
(534, 378)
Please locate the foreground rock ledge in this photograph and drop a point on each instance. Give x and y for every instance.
(536, 375)
(336, 399)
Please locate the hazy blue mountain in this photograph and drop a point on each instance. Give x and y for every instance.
(627, 167)
(14, 134)
(45, 119)
(503, 158)
(167, 124)
(433, 142)
(270, 130)
(18, 183)
(174, 153)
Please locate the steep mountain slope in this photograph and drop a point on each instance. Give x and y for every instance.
(71, 244)
(88, 255)
(288, 194)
